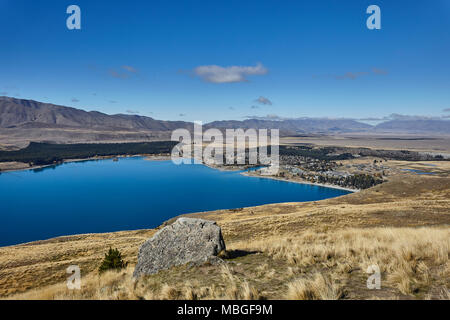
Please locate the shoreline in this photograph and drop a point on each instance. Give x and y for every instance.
(247, 174)
(148, 157)
(302, 182)
(160, 157)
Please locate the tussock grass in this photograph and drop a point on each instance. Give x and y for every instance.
(405, 256)
(237, 290)
(114, 285)
(169, 293)
(316, 288)
(307, 266)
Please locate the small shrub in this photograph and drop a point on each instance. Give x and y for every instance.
(112, 261)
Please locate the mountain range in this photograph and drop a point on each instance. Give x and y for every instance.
(28, 113)
(29, 120)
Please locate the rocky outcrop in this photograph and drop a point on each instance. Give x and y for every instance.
(185, 241)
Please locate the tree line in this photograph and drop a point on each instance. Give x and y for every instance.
(46, 153)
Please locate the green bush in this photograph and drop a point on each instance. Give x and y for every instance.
(112, 261)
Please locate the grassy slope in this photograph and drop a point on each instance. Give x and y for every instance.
(309, 250)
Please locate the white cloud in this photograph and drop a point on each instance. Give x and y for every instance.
(130, 69)
(397, 116)
(118, 75)
(355, 75)
(263, 100)
(393, 116)
(379, 71)
(351, 75)
(132, 111)
(218, 74)
(267, 117)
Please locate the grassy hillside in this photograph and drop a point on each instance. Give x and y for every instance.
(314, 250)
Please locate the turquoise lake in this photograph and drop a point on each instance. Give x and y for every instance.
(133, 193)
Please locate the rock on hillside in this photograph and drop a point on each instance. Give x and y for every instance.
(187, 240)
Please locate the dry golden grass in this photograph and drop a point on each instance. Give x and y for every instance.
(320, 266)
(405, 256)
(122, 286)
(33, 265)
(360, 247)
(316, 288)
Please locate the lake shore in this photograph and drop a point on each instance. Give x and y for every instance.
(300, 182)
(8, 167)
(19, 166)
(127, 183)
(249, 174)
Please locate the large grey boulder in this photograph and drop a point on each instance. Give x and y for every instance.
(187, 240)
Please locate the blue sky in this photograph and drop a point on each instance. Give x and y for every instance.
(155, 58)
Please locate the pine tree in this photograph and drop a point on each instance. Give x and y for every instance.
(112, 261)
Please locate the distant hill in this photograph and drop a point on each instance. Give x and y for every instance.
(33, 114)
(27, 114)
(415, 126)
(297, 126)
(22, 121)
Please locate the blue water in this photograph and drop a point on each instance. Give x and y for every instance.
(417, 171)
(103, 196)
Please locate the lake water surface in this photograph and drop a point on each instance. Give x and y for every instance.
(133, 193)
